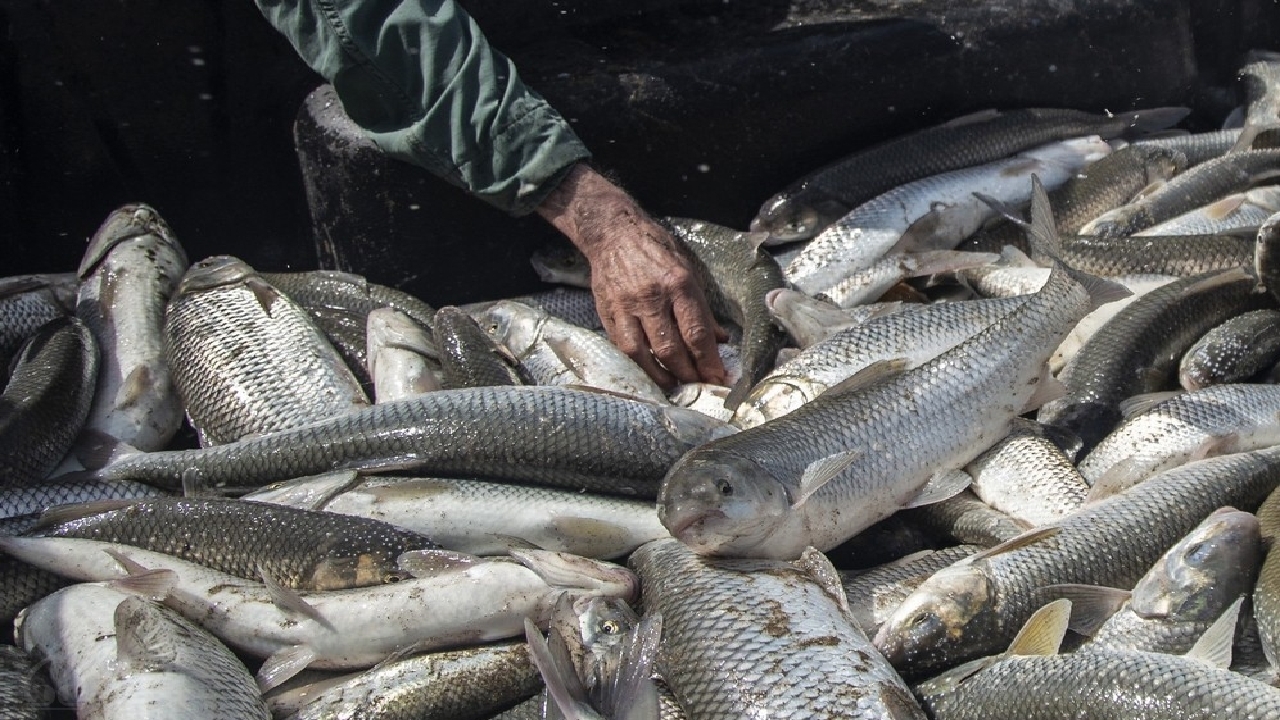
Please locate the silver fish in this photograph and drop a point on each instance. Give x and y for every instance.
(1234, 351)
(1028, 477)
(809, 321)
(472, 357)
(401, 355)
(24, 692)
(26, 303)
(874, 594)
(1197, 147)
(1237, 212)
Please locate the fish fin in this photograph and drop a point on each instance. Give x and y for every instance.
(264, 292)
(1215, 446)
(738, 393)
(755, 239)
(429, 563)
(820, 472)
(876, 372)
(1226, 277)
(940, 486)
(1046, 247)
(564, 688)
(1048, 388)
(933, 262)
(1091, 605)
(142, 640)
(289, 600)
(611, 537)
(973, 118)
(20, 284)
(1143, 122)
(633, 692)
(512, 542)
(153, 585)
(96, 450)
(284, 664)
(1215, 645)
(407, 652)
(1116, 479)
(562, 348)
(135, 387)
(815, 563)
(59, 514)
(922, 234)
(1222, 208)
(1030, 537)
(1003, 209)
(129, 565)
(1043, 632)
(1151, 188)
(1135, 405)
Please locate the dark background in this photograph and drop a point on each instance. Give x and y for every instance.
(702, 108)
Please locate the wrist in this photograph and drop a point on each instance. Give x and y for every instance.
(585, 205)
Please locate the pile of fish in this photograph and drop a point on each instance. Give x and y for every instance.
(1001, 440)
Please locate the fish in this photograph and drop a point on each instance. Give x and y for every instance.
(1028, 477)
(706, 398)
(1199, 185)
(300, 549)
(1266, 256)
(31, 500)
(1260, 76)
(25, 694)
(555, 352)
(489, 518)
(1165, 431)
(470, 356)
(934, 213)
(1182, 596)
(128, 273)
(247, 360)
(27, 302)
(813, 202)
(474, 682)
(809, 320)
(750, 637)
(832, 467)
(560, 436)
(1175, 255)
(964, 518)
(576, 305)
(737, 274)
(1196, 147)
(1137, 351)
(560, 263)
(873, 283)
(116, 655)
(453, 600)
(1266, 592)
(875, 593)
(1232, 352)
(1238, 212)
(47, 400)
(347, 291)
(975, 607)
(401, 355)
(1138, 285)
(1032, 681)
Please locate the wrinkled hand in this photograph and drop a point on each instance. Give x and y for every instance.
(647, 294)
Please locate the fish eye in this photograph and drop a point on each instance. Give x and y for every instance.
(611, 627)
(394, 578)
(725, 488)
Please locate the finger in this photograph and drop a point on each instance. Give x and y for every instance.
(668, 343)
(699, 331)
(629, 335)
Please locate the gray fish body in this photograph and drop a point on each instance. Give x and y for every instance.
(115, 655)
(127, 276)
(22, 584)
(46, 400)
(809, 321)
(248, 360)
(1261, 80)
(888, 438)
(749, 637)
(347, 332)
(1215, 420)
(974, 609)
(559, 436)
(561, 263)
(335, 289)
(965, 518)
(1234, 351)
(1236, 213)
(1138, 350)
(1179, 255)
(919, 334)
(1266, 256)
(1196, 147)
(471, 357)
(1102, 686)
(301, 549)
(1188, 589)
(873, 595)
(1028, 477)
(1266, 592)
(34, 499)
(402, 356)
(26, 303)
(465, 684)
(1200, 185)
(820, 198)
(24, 693)
(739, 271)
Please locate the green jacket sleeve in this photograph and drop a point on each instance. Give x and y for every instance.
(422, 80)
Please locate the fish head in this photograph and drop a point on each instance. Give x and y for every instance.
(125, 223)
(948, 619)
(721, 503)
(1200, 576)
(513, 325)
(774, 397)
(1163, 163)
(561, 264)
(214, 272)
(788, 218)
(356, 571)
(594, 630)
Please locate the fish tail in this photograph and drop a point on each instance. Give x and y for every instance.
(1046, 247)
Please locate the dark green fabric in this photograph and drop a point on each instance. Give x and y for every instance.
(422, 80)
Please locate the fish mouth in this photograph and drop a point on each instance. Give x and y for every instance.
(690, 530)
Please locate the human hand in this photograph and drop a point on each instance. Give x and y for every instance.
(646, 291)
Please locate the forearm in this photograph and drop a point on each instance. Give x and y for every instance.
(422, 80)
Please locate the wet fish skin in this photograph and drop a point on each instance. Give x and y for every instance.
(465, 684)
(35, 499)
(1028, 477)
(738, 275)
(1102, 685)
(974, 609)
(1261, 79)
(577, 305)
(1199, 185)
(1266, 592)
(113, 654)
(1196, 147)
(528, 433)
(247, 360)
(25, 694)
(1234, 351)
(743, 637)
(809, 321)
(22, 584)
(1180, 255)
(347, 332)
(46, 400)
(26, 303)
(1188, 588)
(1239, 212)
(1137, 351)
(874, 594)
(347, 291)
(127, 275)
(402, 355)
(1139, 285)
(471, 357)
(1215, 420)
(561, 263)
(1266, 255)
(300, 549)
(965, 518)
(815, 201)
